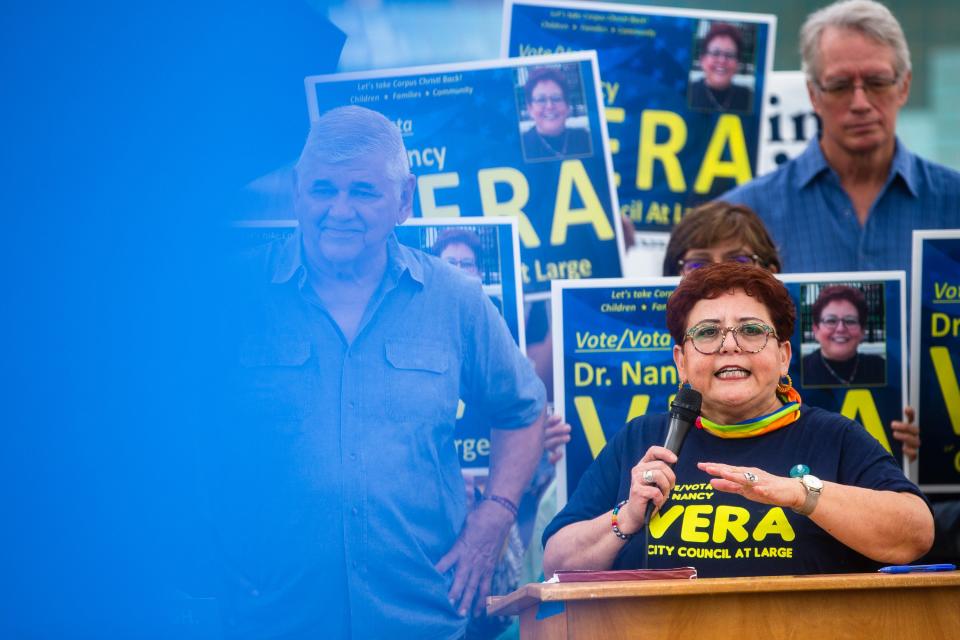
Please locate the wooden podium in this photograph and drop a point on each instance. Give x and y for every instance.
(824, 607)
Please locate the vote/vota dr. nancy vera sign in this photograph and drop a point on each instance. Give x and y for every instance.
(935, 357)
(612, 362)
(859, 369)
(683, 90)
(525, 138)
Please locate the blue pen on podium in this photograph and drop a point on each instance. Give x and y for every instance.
(917, 568)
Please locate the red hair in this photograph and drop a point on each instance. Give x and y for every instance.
(852, 295)
(714, 280)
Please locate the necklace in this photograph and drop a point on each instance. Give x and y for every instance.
(546, 143)
(718, 104)
(841, 380)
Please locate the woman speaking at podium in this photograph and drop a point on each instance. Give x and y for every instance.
(764, 485)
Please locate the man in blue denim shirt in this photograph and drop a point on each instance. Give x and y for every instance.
(851, 201)
(348, 517)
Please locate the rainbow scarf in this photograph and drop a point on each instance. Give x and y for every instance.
(785, 415)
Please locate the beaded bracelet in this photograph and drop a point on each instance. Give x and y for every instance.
(506, 503)
(616, 529)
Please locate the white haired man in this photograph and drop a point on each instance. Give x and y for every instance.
(852, 199)
(355, 354)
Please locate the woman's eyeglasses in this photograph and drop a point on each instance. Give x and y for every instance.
(466, 263)
(708, 337)
(686, 266)
(720, 53)
(831, 322)
(541, 101)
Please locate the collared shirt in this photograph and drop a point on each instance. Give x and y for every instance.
(814, 225)
(356, 489)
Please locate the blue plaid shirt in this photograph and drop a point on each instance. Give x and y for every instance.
(814, 225)
(345, 480)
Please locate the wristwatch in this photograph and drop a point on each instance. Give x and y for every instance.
(813, 486)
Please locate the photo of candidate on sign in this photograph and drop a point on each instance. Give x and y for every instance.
(722, 71)
(850, 337)
(553, 115)
(846, 322)
(673, 145)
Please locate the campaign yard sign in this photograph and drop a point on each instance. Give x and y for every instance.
(480, 144)
(935, 357)
(683, 91)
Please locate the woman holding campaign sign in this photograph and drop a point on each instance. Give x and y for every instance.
(548, 102)
(839, 325)
(764, 484)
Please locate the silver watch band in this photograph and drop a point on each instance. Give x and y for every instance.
(810, 502)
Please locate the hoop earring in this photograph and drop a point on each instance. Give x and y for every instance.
(680, 386)
(784, 387)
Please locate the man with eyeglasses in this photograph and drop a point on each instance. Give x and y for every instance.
(852, 199)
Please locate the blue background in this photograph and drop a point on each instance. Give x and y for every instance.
(129, 127)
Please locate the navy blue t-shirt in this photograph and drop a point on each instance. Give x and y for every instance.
(724, 534)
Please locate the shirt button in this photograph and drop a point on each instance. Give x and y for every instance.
(255, 593)
(355, 511)
(351, 405)
(353, 457)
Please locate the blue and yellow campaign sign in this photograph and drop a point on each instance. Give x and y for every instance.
(613, 361)
(935, 356)
(850, 347)
(521, 138)
(683, 91)
(613, 355)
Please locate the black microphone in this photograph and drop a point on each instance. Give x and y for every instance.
(683, 412)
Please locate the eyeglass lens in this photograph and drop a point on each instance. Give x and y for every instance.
(720, 53)
(542, 100)
(750, 337)
(833, 321)
(691, 265)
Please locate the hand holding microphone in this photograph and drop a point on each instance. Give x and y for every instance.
(683, 413)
